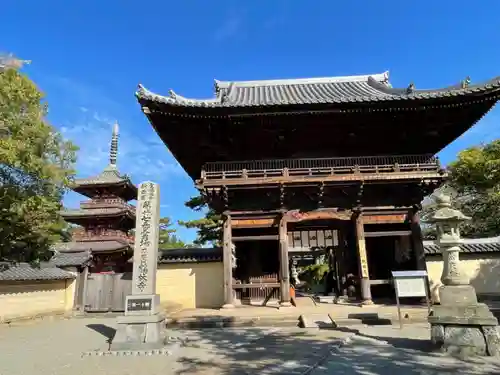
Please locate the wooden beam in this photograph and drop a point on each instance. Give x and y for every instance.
(290, 181)
(389, 233)
(384, 219)
(321, 214)
(253, 223)
(256, 238)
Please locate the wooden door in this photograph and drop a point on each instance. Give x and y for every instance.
(122, 287)
(107, 292)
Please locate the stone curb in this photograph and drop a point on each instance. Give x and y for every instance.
(125, 353)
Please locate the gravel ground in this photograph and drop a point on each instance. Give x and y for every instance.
(56, 347)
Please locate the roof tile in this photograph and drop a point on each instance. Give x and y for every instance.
(70, 259)
(474, 245)
(367, 88)
(24, 272)
(94, 246)
(191, 255)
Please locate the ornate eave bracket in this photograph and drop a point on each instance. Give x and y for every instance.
(296, 216)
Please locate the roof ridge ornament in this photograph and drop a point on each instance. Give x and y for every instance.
(466, 82)
(113, 150)
(411, 88)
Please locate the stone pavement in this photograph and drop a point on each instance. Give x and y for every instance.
(56, 347)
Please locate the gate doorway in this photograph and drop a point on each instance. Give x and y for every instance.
(106, 292)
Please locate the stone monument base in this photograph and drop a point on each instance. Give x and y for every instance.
(139, 332)
(462, 326)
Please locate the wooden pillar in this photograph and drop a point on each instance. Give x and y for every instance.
(342, 263)
(227, 263)
(79, 289)
(417, 239)
(85, 278)
(366, 295)
(284, 267)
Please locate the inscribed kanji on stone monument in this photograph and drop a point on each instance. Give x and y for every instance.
(146, 239)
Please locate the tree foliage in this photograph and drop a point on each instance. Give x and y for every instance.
(168, 239)
(474, 185)
(36, 168)
(475, 176)
(209, 228)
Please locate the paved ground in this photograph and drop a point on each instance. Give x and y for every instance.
(56, 347)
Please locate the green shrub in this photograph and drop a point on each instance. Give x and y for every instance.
(313, 274)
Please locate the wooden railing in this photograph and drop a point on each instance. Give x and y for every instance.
(100, 234)
(258, 288)
(320, 167)
(106, 203)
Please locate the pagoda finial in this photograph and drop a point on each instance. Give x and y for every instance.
(113, 151)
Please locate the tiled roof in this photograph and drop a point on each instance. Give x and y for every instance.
(349, 89)
(70, 259)
(110, 175)
(24, 272)
(93, 246)
(476, 245)
(191, 255)
(110, 211)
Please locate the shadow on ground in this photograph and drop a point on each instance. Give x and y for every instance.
(106, 331)
(268, 351)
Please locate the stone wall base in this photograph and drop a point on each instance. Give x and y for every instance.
(139, 333)
(461, 326)
(466, 341)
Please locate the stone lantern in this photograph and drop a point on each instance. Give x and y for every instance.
(459, 325)
(447, 221)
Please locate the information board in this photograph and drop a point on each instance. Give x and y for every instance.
(410, 284)
(410, 287)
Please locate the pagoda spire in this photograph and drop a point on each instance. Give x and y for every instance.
(113, 150)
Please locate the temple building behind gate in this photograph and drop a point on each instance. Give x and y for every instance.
(331, 166)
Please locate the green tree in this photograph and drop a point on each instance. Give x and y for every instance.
(209, 228)
(36, 168)
(475, 176)
(168, 239)
(474, 185)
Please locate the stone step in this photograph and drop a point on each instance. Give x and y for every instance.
(316, 321)
(220, 322)
(311, 320)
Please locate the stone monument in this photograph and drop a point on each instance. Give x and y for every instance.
(142, 327)
(459, 325)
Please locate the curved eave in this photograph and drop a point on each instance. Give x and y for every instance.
(383, 94)
(74, 217)
(129, 190)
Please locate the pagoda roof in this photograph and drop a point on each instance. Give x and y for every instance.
(110, 176)
(97, 212)
(91, 246)
(330, 90)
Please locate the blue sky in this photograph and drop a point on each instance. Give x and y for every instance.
(89, 56)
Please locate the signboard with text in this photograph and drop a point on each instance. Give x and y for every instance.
(410, 284)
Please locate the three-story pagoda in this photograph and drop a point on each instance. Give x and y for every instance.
(106, 219)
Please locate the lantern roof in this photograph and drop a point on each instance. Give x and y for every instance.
(445, 211)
